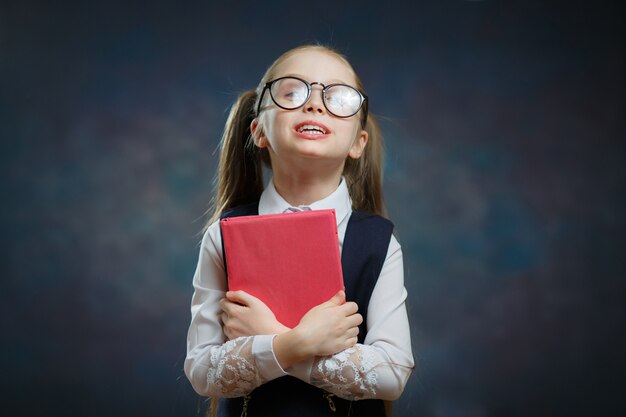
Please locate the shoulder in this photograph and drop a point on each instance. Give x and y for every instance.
(249, 209)
(375, 222)
(367, 232)
(212, 238)
(371, 227)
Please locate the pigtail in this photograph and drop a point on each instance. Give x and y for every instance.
(240, 172)
(364, 176)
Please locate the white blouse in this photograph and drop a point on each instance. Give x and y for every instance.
(379, 368)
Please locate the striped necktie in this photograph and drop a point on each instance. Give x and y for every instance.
(297, 209)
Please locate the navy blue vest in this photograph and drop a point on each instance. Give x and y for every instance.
(363, 254)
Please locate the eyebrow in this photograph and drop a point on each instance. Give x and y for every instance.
(333, 81)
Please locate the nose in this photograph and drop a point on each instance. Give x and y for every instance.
(315, 103)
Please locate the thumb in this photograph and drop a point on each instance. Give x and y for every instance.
(338, 299)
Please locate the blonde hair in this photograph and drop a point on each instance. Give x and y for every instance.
(240, 170)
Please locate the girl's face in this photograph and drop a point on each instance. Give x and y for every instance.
(310, 132)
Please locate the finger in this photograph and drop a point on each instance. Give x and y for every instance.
(224, 317)
(227, 306)
(349, 308)
(227, 332)
(240, 297)
(351, 342)
(337, 299)
(352, 332)
(354, 320)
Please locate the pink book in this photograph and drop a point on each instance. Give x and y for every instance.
(289, 261)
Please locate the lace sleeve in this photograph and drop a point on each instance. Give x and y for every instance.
(359, 373)
(381, 366)
(214, 366)
(231, 370)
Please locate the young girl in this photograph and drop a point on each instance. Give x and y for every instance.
(308, 121)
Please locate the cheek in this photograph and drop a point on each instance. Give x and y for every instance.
(281, 123)
(267, 122)
(350, 132)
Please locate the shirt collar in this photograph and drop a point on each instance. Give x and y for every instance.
(271, 202)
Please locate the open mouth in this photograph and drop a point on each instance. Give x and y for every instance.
(310, 128)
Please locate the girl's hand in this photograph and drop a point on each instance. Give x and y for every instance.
(246, 315)
(331, 326)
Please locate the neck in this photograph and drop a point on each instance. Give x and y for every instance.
(305, 186)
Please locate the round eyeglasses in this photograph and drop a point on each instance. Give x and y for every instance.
(340, 100)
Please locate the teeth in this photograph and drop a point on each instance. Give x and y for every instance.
(311, 129)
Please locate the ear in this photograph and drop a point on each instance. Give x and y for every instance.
(260, 140)
(359, 145)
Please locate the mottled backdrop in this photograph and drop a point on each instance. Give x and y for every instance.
(504, 175)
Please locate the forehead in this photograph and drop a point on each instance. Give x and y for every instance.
(316, 66)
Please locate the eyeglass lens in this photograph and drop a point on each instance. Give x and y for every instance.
(340, 100)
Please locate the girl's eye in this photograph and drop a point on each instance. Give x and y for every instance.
(343, 100)
(294, 95)
(290, 92)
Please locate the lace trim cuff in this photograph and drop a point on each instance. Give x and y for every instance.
(232, 371)
(349, 374)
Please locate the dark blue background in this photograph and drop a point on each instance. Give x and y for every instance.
(505, 177)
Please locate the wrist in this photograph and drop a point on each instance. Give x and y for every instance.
(280, 328)
(291, 347)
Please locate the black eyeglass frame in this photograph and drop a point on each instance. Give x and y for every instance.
(363, 105)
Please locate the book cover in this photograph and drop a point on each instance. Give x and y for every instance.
(289, 261)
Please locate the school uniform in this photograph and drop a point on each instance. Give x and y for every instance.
(376, 368)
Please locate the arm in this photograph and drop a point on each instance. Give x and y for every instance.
(326, 329)
(214, 366)
(381, 366)
(312, 351)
